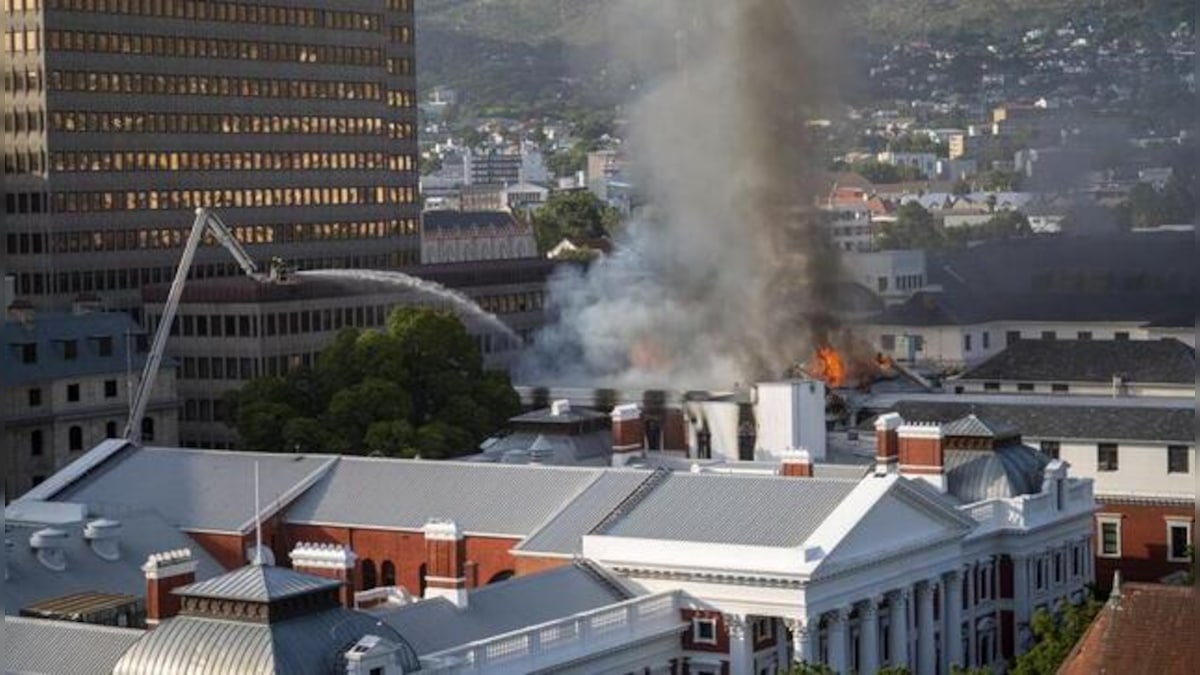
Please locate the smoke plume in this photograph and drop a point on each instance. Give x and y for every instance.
(728, 276)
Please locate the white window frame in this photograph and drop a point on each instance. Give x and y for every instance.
(1101, 520)
(1173, 523)
(696, 637)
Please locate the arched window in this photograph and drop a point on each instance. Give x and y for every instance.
(503, 575)
(75, 438)
(368, 574)
(388, 573)
(147, 428)
(110, 430)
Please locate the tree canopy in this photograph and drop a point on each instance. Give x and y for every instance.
(577, 215)
(881, 174)
(916, 228)
(1055, 636)
(416, 387)
(1148, 207)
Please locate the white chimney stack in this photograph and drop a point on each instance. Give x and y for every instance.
(791, 414)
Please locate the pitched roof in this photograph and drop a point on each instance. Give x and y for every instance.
(63, 647)
(462, 220)
(756, 510)
(1150, 628)
(972, 425)
(435, 625)
(50, 331)
(258, 583)
(1095, 423)
(197, 489)
(959, 308)
(142, 533)
(498, 499)
(1165, 361)
(563, 533)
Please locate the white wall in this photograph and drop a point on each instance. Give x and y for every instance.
(1141, 469)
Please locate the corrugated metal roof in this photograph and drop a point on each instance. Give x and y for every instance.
(198, 489)
(739, 510)
(563, 533)
(63, 647)
(142, 534)
(434, 625)
(311, 644)
(590, 449)
(258, 583)
(974, 475)
(405, 494)
(81, 603)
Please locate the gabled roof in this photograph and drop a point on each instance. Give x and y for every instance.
(37, 646)
(1095, 423)
(258, 583)
(1149, 628)
(496, 499)
(1165, 361)
(204, 490)
(754, 511)
(563, 533)
(436, 625)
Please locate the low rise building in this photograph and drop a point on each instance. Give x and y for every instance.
(65, 386)
(470, 236)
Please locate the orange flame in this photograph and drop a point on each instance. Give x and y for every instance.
(827, 365)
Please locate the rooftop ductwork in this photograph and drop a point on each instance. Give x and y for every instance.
(49, 543)
(104, 537)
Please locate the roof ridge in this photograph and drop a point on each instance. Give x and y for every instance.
(599, 574)
(630, 502)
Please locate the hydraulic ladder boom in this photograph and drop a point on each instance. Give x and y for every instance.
(206, 221)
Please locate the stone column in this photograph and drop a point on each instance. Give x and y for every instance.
(926, 653)
(952, 616)
(804, 634)
(972, 595)
(839, 654)
(1089, 563)
(898, 601)
(741, 652)
(868, 630)
(1020, 564)
(781, 643)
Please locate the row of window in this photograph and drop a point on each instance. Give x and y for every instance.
(246, 198)
(97, 281)
(1108, 457)
(22, 41)
(24, 162)
(22, 5)
(1051, 567)
(213, 85)
(1179, 537)
(37, 439)
(25, 80)
(66, 349)
(509, 303)
(228, 161)
(189, 123)
(158, 238)
(239, 12)
(887, 341)
(212, 48)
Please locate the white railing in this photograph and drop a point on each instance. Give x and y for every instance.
(382, 595)
(1029, 511)
(554, 642)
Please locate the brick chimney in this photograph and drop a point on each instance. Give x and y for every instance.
(920, 450)
(887, 442)
(445, 562)
(332, 561)
(164, 573)
(796, 464)
(628, 433)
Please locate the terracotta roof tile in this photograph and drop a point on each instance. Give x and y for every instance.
(1151, 628)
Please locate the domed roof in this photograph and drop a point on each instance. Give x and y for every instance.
(985, 460)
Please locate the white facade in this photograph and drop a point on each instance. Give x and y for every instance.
(791, 416)
(893, 275)
(925, 162)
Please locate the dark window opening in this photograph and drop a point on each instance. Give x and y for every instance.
(75, 439)
(1050, 449)
(1106, 457)
(1177, 459)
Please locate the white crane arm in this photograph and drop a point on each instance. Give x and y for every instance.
(205, 220)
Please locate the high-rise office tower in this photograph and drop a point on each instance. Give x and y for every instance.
(296, 119)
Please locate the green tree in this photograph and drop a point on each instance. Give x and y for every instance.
(881, 174)
(576, 215)
(569, 161)
(915, 227)
(417, 386)
(1054, 637)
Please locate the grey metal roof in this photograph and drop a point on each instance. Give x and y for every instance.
(142, 534)
(458, 220)
(47, 329)
(198, 489)
(1165, 361)
(405, 494)
(589, 449)
(1108, 423)
(63, 647)
(258, 583)
(952, 308)
(434, 625)
(1008, 471)
(563, 533)
(972, 425)
(743, 510)
(310, 644)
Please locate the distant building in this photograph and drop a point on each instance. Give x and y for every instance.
(925, 162)
(297, 122)
(65, 386)
(492, 168)
(850, 225)
(469, 236)
(481, 197)
(524, 196)
(892, 275)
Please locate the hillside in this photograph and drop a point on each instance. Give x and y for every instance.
(544, 54)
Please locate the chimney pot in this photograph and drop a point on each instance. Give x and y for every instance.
(332, 561)
(887, 442)
(165, 572)
(628, 433)
(446, 562)
(921, 453)
(796, 464)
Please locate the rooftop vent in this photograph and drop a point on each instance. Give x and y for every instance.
(49, 543)
(104, 535)
(560, 407)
